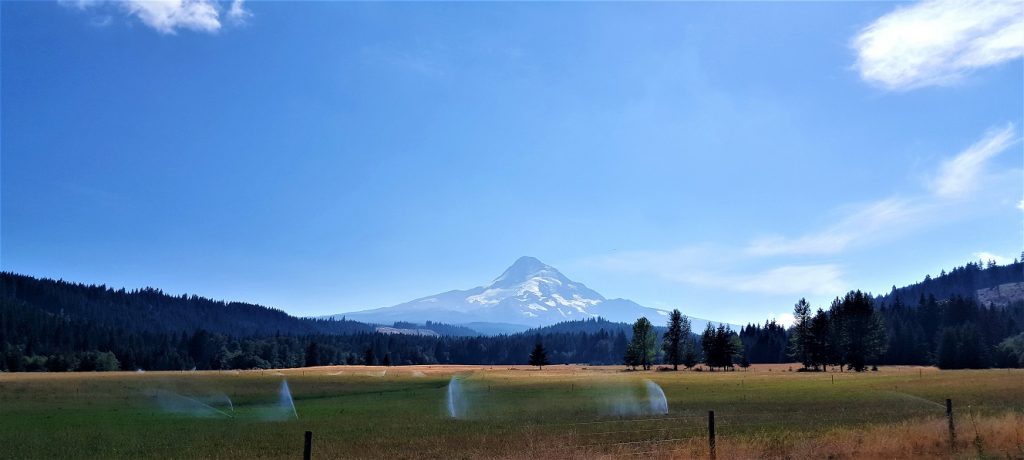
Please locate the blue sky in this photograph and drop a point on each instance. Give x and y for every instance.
(725, 159)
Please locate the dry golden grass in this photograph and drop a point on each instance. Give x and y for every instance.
(980, 437)
(518, 412)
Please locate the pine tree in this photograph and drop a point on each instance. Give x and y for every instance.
(800, 338)
(721, 345)
(312, 355)
(539, 356)
(632, 356)
(643, 342)
(818, 350)
(690, 356)
(859, 332)
(674, 340)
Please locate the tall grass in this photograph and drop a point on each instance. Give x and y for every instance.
(560, 412)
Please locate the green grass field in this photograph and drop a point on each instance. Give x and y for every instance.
(562, 411)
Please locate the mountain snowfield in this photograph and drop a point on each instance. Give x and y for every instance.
(530, 293)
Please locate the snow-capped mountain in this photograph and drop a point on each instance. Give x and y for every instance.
(529, 293)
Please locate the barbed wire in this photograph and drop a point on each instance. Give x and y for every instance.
(738, 422)
(628, 420)
(630, 431)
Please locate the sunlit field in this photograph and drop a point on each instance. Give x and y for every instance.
(519, 412)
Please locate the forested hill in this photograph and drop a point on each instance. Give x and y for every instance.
(60, 326)
(963, 282)
(589, 326)
(151, 310)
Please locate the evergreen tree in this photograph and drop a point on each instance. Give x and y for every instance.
(312, 355)
(539, 356)
(962, 347)
(690, 356)
(859, 332)
(818, 348)
(721, 346)
(676, 338)
(800, 338)
(56, 326)
(643, 342)
(632, 356)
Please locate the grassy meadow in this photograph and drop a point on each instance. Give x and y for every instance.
(518, 412)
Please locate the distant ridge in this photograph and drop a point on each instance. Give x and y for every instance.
(998, 285)
(154, 311)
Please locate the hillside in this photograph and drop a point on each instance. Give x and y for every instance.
(151, 310)
(998, 285)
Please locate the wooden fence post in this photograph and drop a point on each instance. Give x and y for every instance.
(711, 434)
(307, 450)
(952, 428)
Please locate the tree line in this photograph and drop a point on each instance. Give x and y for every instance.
(851, 334)
(56, 325)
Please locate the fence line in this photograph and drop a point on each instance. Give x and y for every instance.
(629, 431)
(688, 433)
(628, 420)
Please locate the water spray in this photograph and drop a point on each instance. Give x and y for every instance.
(454, 393)
(285, 400)
(176, 403)
(656, 398)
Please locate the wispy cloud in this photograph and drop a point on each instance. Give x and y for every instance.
(237, 13)
(959, 175)
(938, 42)
(955, 179)
(945, 192)
(988, 256)
(702, 266)
(170, 16)
(819, 279)
(860, 224)
(101, 20)
(423, 61)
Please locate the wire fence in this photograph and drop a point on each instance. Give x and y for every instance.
(700, 434)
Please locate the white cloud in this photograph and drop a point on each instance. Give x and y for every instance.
(987, 256)
(101, 20)
(170, 16)
(676, 264)
(238, 13)
(80, 4)
(699, 266)
(859, 224)
(938, 42)
(1020, 205)
(785, 319)
(943, 199)
(166, 16)
(824, 279)
(959, 175)
(956, 179)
